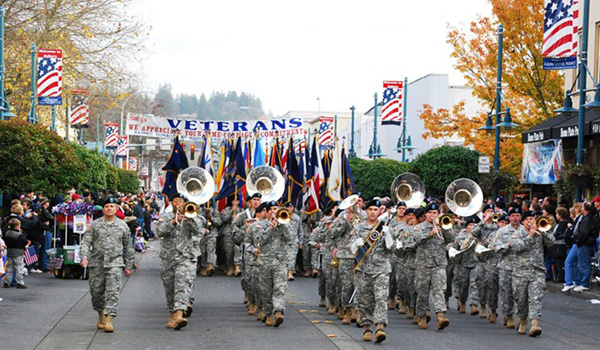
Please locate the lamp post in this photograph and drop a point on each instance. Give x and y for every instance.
(582, 84)
(375, 149)
(5, 112)
(31, 116)
(507, 117)
(351, 153)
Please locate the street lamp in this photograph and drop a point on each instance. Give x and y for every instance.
(351, 153)
(375, 149)
(5, 112)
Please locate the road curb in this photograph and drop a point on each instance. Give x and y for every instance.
(593, 293)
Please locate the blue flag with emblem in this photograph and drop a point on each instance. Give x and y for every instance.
(176, 163)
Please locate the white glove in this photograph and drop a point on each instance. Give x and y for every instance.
(356, 245)
(389, 241)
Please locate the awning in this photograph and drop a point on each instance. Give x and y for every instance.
(542, 131)
(569, 128)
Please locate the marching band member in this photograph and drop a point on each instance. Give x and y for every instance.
(208, 241)
(431, 264)
(295, 228)
(239, 231)
(233, 259)
(251, 272)
(466, 271)
(407, 272)
(309, 223)
(396, 224)
(322, 259)
(372, 271)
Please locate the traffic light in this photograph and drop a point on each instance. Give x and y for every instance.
(192, 150)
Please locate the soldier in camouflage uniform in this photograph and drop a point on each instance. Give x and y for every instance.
(406, 270)
(251, 272)
(397, 225)
(372, 273)
(111, 255)
(295, 228)
(232, 252)
(529, 272)
(431, 264)
(208, 241)
(239, 226)
(342, 230)
(466, 266)
(507, 256)
(325, 251)
(316, 242)
(309, 223)
(274, 239)
(488, 277)
(178, 254)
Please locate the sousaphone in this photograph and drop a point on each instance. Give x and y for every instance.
(198, 186)
(408, 188)
(267, 181)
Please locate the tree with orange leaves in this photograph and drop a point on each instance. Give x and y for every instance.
(531, 93)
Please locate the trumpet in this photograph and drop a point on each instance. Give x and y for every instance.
(495, 217)
(446, 221)
(191, 210)
(283, 216)
(545, 223)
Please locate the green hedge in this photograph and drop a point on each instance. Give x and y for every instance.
(375, 177)
(33, 158)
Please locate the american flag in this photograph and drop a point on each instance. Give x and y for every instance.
(121, 146)
(112, 131)
(299, 145)
(80, 114)
(391, 112)
(49, 86)
(326, 131)
(560, 28)
(30, 256)
(132, 163)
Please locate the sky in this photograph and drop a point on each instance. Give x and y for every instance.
(289, 53)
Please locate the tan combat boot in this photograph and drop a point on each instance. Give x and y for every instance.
(483, 312)
(380, 333)
(108, 326)
(410, 313)
(315, 273)
(101, 320)
(269, 321)
(278, 319)
(261, 316)
(290, 275)
(422, 322)
(238, 270)
(171, 324)
(391, 303)
(341, 312)
(180, 322)
(331, 309)
(474, 310)
(443, 322)
(522, 327)
(401, 307)
(322, 302)
(203, 272)
(535, 329)
(493, 316)
(210, 270)
(307, 273)
(510, 322)
(251, 309)
(367, 333)
(229, 271)
(462, 308)
(347, 316)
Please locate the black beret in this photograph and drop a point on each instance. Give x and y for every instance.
(261, 207)
(389, 204)
(503, 217)
(271, 204)
(178, 195)
(419, 212)
(409, 211)
(473, 219)
(401, 204)
(373, 203)
(516, 210)
(488, 206)
(110, 200)
(255, 195)
(432, 206)
(289, 204)
(527, 214)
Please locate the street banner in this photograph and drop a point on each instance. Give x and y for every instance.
(560, 34)
(80, 111)
(391, 111)
(133, 163)
(542, 162)
(112, 132)
(49, 77)
(326, 131)
(122, 146)
(194, 129)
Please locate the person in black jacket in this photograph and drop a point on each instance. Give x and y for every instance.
(47, 221)
(15, 243)
(585, 238)
(558, 251)
(33, 230)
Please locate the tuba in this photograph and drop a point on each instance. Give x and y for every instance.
(198, 186)
(464, 197)
(408, 188)
(267, 181)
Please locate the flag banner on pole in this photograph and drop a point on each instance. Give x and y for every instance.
(121, 146)
(49, 81)
(30, 256)
(194, 129)
(112, 131)
(560, 43)
(326, 131)
(176, 163)
(391, 112)
(133, 163)
(80, 111)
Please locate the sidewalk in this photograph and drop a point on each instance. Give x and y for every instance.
(593, 293)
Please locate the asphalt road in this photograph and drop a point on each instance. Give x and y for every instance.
(55, 313)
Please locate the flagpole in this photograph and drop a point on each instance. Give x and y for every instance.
(404, 119)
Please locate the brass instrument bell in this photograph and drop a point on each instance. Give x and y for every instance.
(408, 188)
(283, 216)
(464, 197)
(545, 223)
(446, 221)
(335, 262)
(267, 181)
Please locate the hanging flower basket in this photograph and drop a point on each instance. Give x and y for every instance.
(573, 177)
